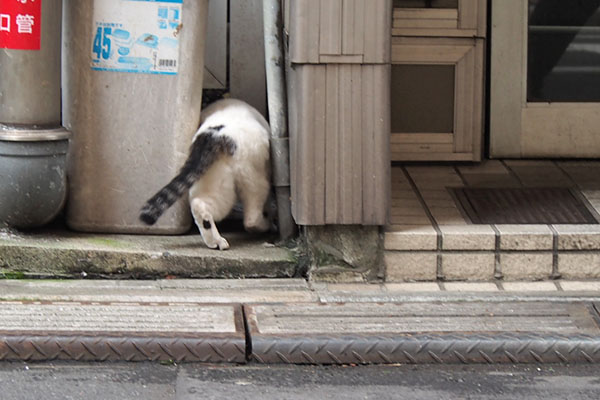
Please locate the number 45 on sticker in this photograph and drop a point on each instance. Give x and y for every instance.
(101, 45)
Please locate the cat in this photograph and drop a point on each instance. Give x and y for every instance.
(228, 160)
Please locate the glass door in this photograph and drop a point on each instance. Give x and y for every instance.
(563, 51)
(545, 78)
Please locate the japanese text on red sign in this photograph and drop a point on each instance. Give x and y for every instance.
(20, 24)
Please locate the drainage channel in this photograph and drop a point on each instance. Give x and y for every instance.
(302, 333)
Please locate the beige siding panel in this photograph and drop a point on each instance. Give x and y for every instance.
(357, 146)
(340, 144)
(309, 142)
(378, 25)
(343, 59)
(304, 31)
(319, 141)
(340, 27)
(345, 143)
(330, 29)
(339, 116)
(293, 84)
(332, 163)
(301, 198)
(353, 27)
(381, 149)
(376, 149)
(347, 163)
(369, 154)
(313, 32)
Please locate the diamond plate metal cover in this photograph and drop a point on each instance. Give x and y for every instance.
(474, 332)
(41, 331)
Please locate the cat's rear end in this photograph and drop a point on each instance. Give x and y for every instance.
(229, 159)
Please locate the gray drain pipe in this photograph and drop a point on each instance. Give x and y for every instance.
(277, 102)
(33, 144)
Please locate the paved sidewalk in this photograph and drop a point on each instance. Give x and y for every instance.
(293, 321)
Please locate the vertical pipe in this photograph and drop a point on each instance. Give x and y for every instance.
(30, 84)
(33, 144)
(277, 105)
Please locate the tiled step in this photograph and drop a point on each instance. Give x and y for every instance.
(482, 252)
(430, 238)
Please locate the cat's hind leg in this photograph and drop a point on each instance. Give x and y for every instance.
(206, 224)
(254, 195)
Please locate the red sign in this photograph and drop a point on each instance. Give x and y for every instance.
(20, 24)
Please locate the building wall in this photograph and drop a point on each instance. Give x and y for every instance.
(339, 75)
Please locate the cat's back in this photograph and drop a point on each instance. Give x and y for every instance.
(234, 114)
(242, 123)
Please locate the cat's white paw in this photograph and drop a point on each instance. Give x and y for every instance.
(210, 245)
(223, 244)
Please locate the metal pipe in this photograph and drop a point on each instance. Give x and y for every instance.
(33, 144)
(30, 84)
(277, 103)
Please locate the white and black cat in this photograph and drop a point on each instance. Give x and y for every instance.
(229, 160)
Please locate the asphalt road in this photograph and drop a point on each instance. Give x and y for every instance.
(20, 381)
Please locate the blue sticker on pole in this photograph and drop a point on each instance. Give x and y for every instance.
(139, 36)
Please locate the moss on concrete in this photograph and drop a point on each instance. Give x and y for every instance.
(12, 275)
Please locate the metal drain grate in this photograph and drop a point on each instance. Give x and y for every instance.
(524, 206)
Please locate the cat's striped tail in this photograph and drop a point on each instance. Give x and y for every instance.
(205, 150)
